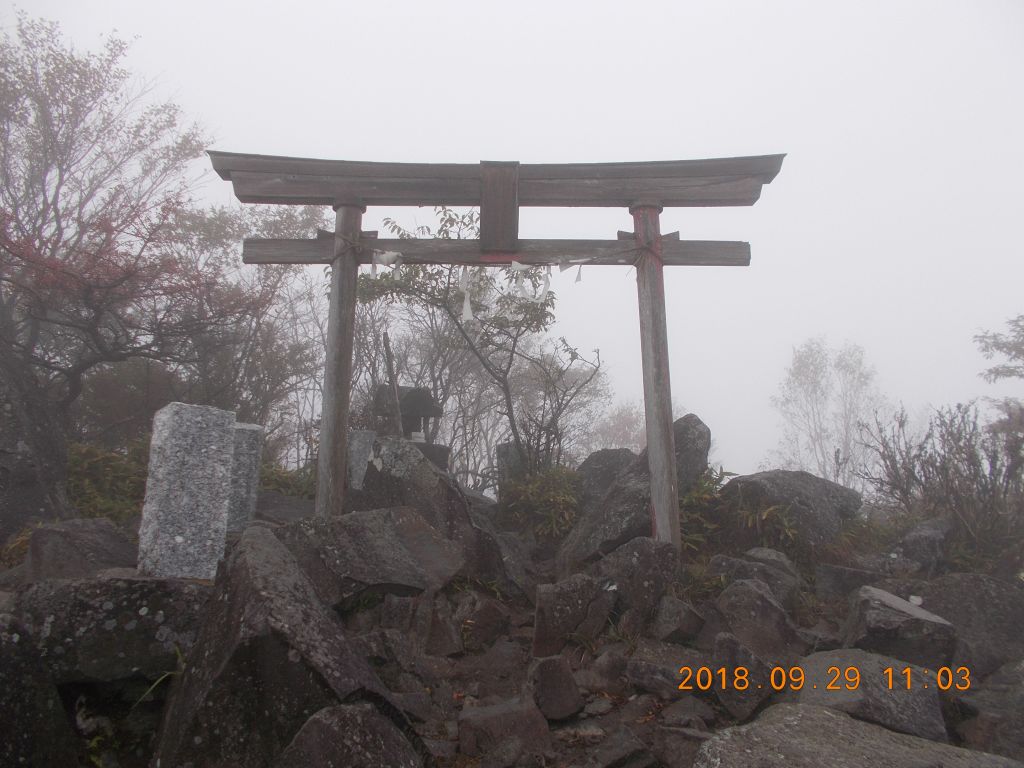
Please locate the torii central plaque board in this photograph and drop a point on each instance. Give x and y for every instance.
(500, 188)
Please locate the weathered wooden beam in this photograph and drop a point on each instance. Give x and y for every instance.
(766, 166)
(328, 190)
(332, 459)
(661, 454)
(682, 183)
(499, 207)
(675, 252)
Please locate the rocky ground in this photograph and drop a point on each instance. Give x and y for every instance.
(422, 629)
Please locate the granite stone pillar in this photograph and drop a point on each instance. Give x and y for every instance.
(188, 491)
(245, 475)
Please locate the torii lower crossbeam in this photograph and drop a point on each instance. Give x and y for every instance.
(499, 189)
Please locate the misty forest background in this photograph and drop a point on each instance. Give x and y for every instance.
(120, 292)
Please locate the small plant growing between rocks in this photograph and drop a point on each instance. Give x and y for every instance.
(546, 501)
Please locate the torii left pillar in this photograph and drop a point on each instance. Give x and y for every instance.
(332, 460)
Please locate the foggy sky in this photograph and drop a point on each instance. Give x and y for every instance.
(894, 223)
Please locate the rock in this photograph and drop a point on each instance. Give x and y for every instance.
(925, 544)
(836, 582)
(554, 689)
(996, 709)
(502, 557)
(76, 549)
(883, 623)
(368, 554)
(624, 511)
(622, 749)
(804, 736)
(482, 621)
(773, 559)
(398, 475)
(245, 475)
(269, 656)
(360, 449)
(34, 729)
(987, 614)
(606, 675)
(599, 470)
(915, 710)
(783, 584)
(349, 736)
(730, 654)
(484, 728)
(638, 573)
(675, 621)
(101, 630)
(814, 506)
(760, 622)
(575, 609)
(688, 712)
(598, 707)
(654, 667)
(12, 578)
(188, 492)
(434, 627)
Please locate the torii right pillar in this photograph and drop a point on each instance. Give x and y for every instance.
(661, 452)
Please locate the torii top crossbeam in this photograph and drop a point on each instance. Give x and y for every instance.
(500, 188)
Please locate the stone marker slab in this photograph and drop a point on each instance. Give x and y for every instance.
(188, 491)
(245, 475)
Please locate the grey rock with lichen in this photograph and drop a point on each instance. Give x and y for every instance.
(106, 629)
(188, 491)
(805, 736)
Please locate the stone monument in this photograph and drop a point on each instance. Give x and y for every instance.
(188, 491)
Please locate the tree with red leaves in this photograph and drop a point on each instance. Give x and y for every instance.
(94, 194)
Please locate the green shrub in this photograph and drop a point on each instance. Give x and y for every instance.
(698, 510)
(547, 501)
(290, 482)
(104, 483)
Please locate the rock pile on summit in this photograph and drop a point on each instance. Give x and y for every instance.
(416, 630)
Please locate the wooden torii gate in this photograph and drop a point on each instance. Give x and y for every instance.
(499, 189)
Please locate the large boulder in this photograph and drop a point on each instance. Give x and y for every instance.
(675, 621)
(269, 656)
(599, 470)
(779, 574)
(349, 736)
(995, 710)
(987, 614)
(759, 622)
(574, 609)
(913, 710)
(554, 689)
(805, 736)
(814, 507)
(398, 474)
(836, 582)
(730, 654)
(34, 729)
(76, 549)
(485, 728)
(101, 630)
(372, 553)
(624, 511)
(654, 667)
(638, 573)
(884, 623)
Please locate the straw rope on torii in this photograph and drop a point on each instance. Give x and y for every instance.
(499, 189)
